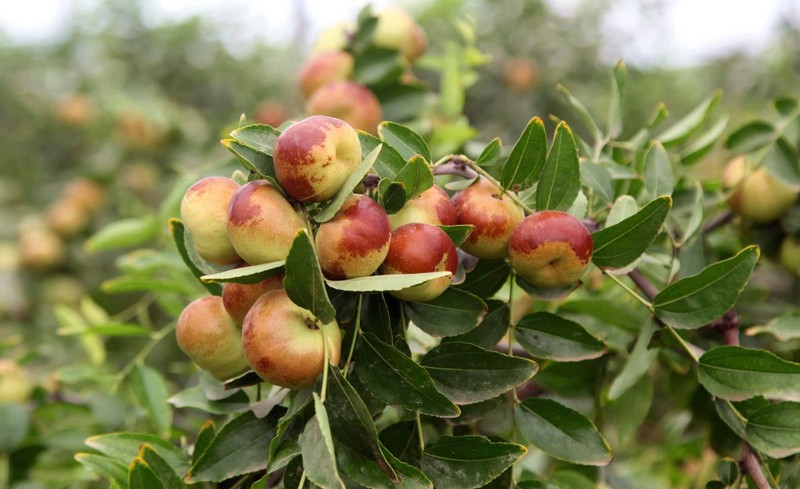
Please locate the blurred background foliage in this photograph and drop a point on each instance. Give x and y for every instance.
(122, 109)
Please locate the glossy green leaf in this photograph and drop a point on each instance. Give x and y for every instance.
(561, 174)
(347, 187)
(582, 111)
(728, 471)
(785, 105)
(695, 301)
(194, 397)
(458, 233)
(125, 446)
(166, 475)
(151, 391)
(599, 180)
(527, 158)
(109, 330)
(365, 472)
(736, 373)
(304, 283)
(490, 153)
(570, 479)
(785, 327)
(467, 373)
(407, 142)
(624, 415)
(286, 450)
(141, 476)
(392, 195)
(319, 458)
(300, 401)
(260, 137)
(453, 312)
(252, 159)
(402, 440)
(240, 447)
(178, 231)
(124, 233)
(619, 77)
(562, 432)
(549, 336)
(396, 379)
(388, 163)
(491, 329)
(127, 283)
(686, 126)
(15, 421)
(377, 65)
(751, 136)
(486, 278)
(705, 142)
(203, 439)
(775, 429)
(402, 101)
(658, 177)
(384, 283)
(621, 244)
(783, 162)
(108, 467)
(637, 363)
(351, 422)
(416, 177)
(467, 462)
(246, 275)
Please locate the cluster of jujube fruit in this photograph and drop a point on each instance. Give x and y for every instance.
(258, 326)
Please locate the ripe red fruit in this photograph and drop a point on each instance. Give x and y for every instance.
(421, 248)
(349, 101)
(494, 216)
(432, 206)
(550, 249)
(355, 242)
(239, 298)
(204, 212)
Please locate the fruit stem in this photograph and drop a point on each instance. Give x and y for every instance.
(302, 480)
(356, 334)
(419, 433)
(458, 165)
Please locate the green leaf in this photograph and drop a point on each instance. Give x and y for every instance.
(570, 479)
(525, 163)
(346, 190)
(636, 365)
(467, 373)
(126, 283)
(658, 177)
(299, 402)
(785, 327)
(548, 336)
(351, 422)
(561, 432)
(684, 128)
(775, 429)
(252, 274)
(783, 162)
(260, 137)
(467, 462)
(695, 301)
(376, 65)
(728, 471)
(203, 439)
(178, 231)
(108, 467)
(392, 195)
(240, 447)
(125, 446)
(141, 476)
(582, 111)
(109, 330)
(398, 380)
(15, 421)
(319, 458)
(194, 397)
(619, 77)
(705, 142)
(169, 479)
(124, 233)
(416, 177)
(621, 244)
(599, 180)
(453, 312)
(367, 473)
(491, 152)
(384, 283)
(491, 329)
(304, 282)
(751, 136)
(486, 278)
(407, 142)
(252, 159)
(736, 373)
(561, 175)
(402, 101)
(624, 415)
(151, 391)
(458, 233)
(785, 105)
(402, 440)
(389, 162)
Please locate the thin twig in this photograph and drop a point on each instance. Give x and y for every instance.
(749, 464)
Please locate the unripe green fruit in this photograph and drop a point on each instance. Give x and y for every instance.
(284, 342)
(15, 388)
(790, 254)
(757, 196)
(432, 207)
(421, 248)
(355, 242)
(211, 338)
(396, 29)
(261, 223)
(204, 211)
(333, 38)
(494, 216)
(550, 249)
